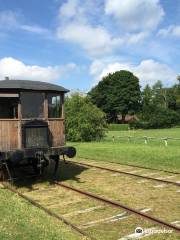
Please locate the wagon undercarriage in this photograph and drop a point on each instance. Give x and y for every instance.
(37, 160)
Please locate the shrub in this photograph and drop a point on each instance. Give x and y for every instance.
(84, 121)
(163, 118)
(138, 124)
(160, 118)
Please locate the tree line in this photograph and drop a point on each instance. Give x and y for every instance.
(117, 94)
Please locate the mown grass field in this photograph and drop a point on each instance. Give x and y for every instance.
(19, 220)
(157, 133)
(153, 154)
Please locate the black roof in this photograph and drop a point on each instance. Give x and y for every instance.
(30, 85)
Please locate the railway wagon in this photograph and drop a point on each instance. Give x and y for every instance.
(32, 131)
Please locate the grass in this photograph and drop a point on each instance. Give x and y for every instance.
(21, 221)
(154, 154)
(129, 190)
(157, 133)
(120, 188)
(118, 127)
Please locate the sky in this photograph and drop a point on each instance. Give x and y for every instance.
(75, 43)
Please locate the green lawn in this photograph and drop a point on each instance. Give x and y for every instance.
(157, 133)
(154, 154)
(19, 220)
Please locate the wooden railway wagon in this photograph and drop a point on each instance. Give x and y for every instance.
(31, 125)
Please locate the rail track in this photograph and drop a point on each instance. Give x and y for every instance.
(126, 173)
(137, 166)
(95, 197)
(46, 210)
(119, 205)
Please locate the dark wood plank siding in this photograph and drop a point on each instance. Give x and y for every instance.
(8, 134)
(56, 128)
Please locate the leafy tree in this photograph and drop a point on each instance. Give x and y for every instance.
(117, 93)
(147, 101)
(172, 97)
(178, 78)
(84, 121)
(159, 95)
(160, 107)
(177, 94)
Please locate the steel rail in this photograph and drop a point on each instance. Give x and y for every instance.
(126, 173)
(46, 210)
(131, 165)
(119, 205)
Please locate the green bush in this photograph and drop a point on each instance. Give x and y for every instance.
(84, 121)
(118, 127)
(163, 118)
(138, 124)
(160, 118)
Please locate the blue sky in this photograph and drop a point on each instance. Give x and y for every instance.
(75, 43)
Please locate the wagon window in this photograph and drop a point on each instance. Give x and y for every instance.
(54, 106)
(32, 105)
(8, 107)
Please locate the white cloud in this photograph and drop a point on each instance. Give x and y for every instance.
(72, 10)
(8, 19)
(95, 40)
(34, 29)
(131, 39)
(75, 27)
(16, 69)
(148, 71)
(171, 31)
(135, 14)
(96, 67)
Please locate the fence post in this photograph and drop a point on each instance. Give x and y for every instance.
(166, 141)
(145, 140)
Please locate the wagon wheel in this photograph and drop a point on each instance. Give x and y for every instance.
(54, 165)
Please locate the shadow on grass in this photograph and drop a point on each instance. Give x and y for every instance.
(66, 171)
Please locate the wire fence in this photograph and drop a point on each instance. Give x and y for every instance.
(145, 139)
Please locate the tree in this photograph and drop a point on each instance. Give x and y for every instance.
(178, 78)
(84, 121)
(172, 97)
(117, 93)
(147, 101)
(159, 95)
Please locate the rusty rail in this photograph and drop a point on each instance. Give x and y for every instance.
(46, 210)
(127, 173)
(119, 205)
(137, 166)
